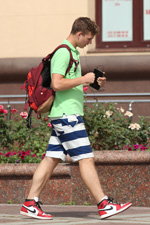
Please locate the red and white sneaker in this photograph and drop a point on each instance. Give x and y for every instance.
(33, 209)
(107, 208)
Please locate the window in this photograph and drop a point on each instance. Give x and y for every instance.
(146, 20)
(123, 24)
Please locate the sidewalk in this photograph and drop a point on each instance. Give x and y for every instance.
(74, 215)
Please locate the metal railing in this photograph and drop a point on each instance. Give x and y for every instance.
(95, 98)
(92, 95)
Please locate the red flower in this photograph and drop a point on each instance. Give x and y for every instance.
(13, 153)
(143, 148)
(28, 152)
(22, 153)
(136, 146)
(13, 110)
(2, 110)
(22, 157)
(43, 156)
(49, 125)
(45, 119)
(8, 154)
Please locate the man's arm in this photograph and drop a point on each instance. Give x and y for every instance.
(59, 83)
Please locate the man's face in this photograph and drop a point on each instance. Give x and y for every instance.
(84, 39)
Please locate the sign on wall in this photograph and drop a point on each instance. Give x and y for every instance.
(146, 15)
(117, 20)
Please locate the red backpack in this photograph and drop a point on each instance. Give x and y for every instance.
(40, 95)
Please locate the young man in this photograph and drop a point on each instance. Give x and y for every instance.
(68, 133)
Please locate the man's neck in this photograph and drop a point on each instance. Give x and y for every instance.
(72, 40)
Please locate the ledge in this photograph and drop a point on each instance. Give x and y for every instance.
(122, 157)
(122, 50)
(63, 169)
(27, 169)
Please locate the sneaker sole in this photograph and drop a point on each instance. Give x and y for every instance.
(117, 212)
(36, 217)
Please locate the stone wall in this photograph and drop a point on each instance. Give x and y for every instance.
(124, 175)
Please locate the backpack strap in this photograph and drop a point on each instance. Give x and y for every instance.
(28, 119)
(72, 60)
(38, 74)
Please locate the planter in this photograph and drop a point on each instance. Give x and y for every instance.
(124, 175)
(15, 182)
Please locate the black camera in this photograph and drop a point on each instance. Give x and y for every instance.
(98, 73)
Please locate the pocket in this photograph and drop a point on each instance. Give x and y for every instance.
(58, 129)
(72, 120)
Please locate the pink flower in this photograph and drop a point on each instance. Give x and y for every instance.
(49, 125)
(128, 113)
(136, 146)
(24, 115)
(34, 155)
(5, 111)
(1, 107)
(85, 88)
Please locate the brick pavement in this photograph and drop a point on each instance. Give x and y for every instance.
(74, 215)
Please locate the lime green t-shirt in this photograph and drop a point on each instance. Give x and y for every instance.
(69, 101)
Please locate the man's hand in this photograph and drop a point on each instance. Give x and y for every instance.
(101, 81)
(89, 78)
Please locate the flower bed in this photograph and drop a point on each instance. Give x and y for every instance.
(109, 128)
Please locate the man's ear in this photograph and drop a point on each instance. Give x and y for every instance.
(79, 34)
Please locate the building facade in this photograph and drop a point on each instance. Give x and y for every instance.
(31, 29)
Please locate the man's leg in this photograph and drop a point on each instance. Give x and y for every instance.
(90, 178)
(31, 206)
(41, 176)
(106, 207)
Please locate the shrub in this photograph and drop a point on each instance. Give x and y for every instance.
(110, 127)
(21, 144)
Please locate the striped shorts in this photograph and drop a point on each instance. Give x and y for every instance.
(69, 136)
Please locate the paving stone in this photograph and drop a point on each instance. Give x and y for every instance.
(74, 215)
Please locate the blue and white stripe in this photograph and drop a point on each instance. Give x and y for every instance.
(69, 136)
